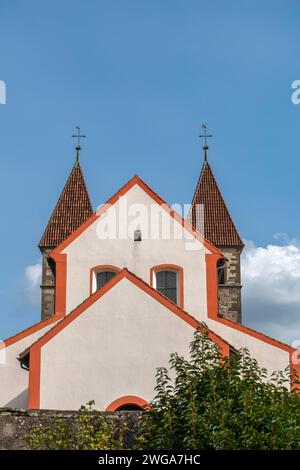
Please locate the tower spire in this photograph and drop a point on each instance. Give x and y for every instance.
(205, 136)
(210, 216)
(78, 136)
(72, 209)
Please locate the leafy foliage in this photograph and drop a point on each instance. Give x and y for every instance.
(89, 432)
(213, 402)
(206, 402)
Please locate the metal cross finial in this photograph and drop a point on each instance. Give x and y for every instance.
(205, 136)
(78, 136)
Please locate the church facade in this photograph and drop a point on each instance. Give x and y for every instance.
(122, 288)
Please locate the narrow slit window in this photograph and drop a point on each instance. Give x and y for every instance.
(221, 267)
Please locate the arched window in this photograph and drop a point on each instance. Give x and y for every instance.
(130, 407)
(168, 280)
(100, 275)
(129, 403)
(166, 284)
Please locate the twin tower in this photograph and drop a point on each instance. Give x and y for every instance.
(74, 207)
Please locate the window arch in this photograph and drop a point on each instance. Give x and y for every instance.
(129, 403)
(100, 275)
(168, 280)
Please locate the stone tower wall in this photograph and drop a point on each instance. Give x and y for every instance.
(230, 305)
(47, 287)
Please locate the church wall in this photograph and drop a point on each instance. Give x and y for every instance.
(271, 357)
(14, 379)
(111, 350)
(88, 251)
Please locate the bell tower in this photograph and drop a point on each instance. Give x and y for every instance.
(217, 227)
(73, 208)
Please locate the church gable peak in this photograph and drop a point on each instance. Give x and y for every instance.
(136, 181)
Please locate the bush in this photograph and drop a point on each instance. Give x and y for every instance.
(211, 402)
(90, 431)
(221, 403)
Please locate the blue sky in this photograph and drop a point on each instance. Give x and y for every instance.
(140, 77)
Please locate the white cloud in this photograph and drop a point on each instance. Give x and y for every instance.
(271, 292)
(33, 278)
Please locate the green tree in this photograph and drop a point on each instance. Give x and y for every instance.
(213, 402)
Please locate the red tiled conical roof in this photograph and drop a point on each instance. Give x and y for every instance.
(219, 228)
(72, 210)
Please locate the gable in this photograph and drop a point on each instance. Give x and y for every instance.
(104, 240)
(137, 193)
(125, 322)
(14, 379)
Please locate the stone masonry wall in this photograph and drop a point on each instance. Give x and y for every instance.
(47, 288)
(15, 424)
(230, 305)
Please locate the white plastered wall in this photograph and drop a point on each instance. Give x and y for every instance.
(267, 355)
(111, 350)
(14, 379)
(88, 251)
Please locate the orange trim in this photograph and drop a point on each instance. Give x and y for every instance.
(155, 197)
(99, 268)
(174, 267)
(60, 259)
(213, 310)
(34, 377)
(60, 282)
(253, 333)
(29, 331)
(35, 350)
(295, 363)
(293, 353)
(212, 284)
(128, 400)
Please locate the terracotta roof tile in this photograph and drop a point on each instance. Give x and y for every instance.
(219, 228)
(72, 210)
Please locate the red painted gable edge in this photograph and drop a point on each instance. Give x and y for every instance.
(212, 311)
(30, 331)
(136, 180)
(35, 349)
